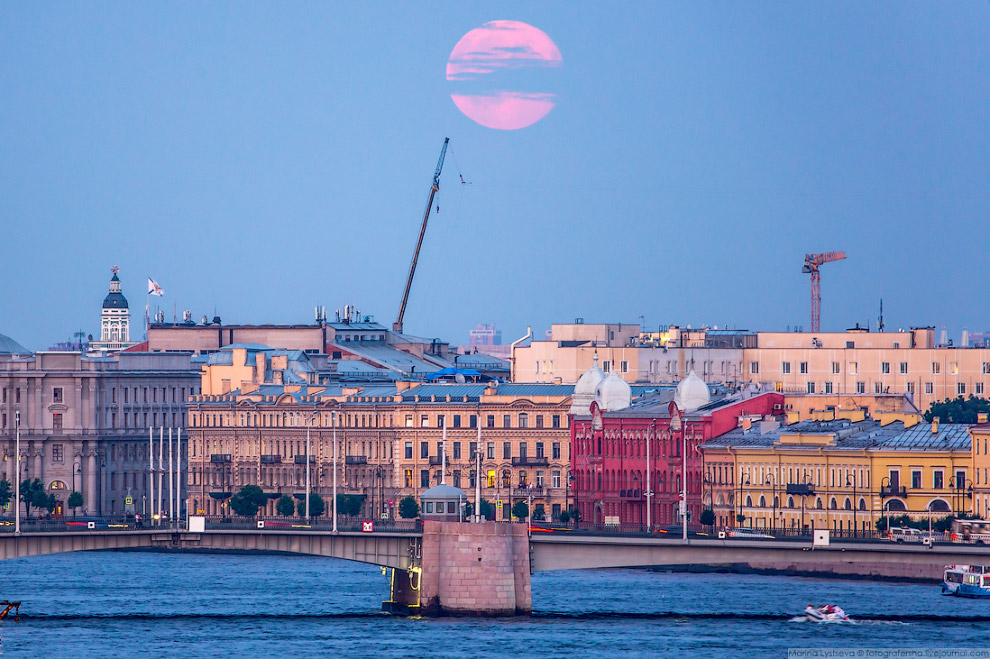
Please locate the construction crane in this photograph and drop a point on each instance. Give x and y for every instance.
(811, 264)
(397, 325)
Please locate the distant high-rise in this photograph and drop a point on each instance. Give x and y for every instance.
(485, 334)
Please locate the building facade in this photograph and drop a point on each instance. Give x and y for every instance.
(115, 320)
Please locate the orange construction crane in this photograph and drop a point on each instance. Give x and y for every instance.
(811, 264)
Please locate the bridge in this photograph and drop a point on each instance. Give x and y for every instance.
(485, 568)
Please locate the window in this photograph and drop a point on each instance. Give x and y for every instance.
(523, 450)
(754, 368)
(428, 507)
(457, 420)
(490, 451)
(506, 450)
(910, 387)
(424, 421)
(624, 366)
(524, 420)
(57, 453)
(811, 387)
(960, 481)
(556, 450)
(540, 481)
(853, 368)
(885, 368)
(902, 369)
(936, 368)
(409, 421)
(506, 421)
(57, 395)
(986, 368)
(860, 387)
(491, 478)
(954, 368)
(835, 368)
(424, 477)
(57, 421)
(539, 450)
(555, 478)
(916, 479)
(785, 368)
(606, 367)
(408, 453)
(877, 387)
(938, 479)
(473, 421)
(424, 450)
(828, 387)
(978, 388)
(472, 450)
(441, 421)
(457, 452)
(457, 478)
(539, 420)
(803, 367)
(929, 388)
(555, 421)
(408, 478)
(961, 388)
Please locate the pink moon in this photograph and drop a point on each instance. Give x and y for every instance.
(489, 61)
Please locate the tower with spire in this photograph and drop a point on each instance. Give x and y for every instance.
(115, 319)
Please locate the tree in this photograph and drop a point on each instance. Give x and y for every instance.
(539, 512)
(350, 504)
(708, 517)
(51, 503)
(317, 506)
(960, 410)
(564, 517)
(246, 502)
(520, 510)
(285, 506)
(408, 508)
(6, 493)
(740, 518)
(31, 491)
(75, 501)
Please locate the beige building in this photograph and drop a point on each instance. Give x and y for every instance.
(836, 364)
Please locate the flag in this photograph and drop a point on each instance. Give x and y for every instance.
(154, 288)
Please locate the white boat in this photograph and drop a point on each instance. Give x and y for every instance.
(825, 613)
(967, 581)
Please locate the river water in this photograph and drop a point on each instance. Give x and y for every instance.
(128, 604)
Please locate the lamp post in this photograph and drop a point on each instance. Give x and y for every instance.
(855, 526)
(883, 508)
(17, 477)
(77, 469)
(309, 424)
(959, 492)
(773, 492)
(739, 517)
(333, 422)
(649, 478)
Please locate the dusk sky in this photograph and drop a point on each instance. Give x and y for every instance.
(258, 159)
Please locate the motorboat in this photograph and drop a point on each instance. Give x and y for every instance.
(966, 581)
(825, 613)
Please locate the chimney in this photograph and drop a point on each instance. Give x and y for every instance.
(935, 425)
(981, 417)
(746, 423)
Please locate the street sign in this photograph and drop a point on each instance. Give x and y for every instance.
(384, 515)
(367, 527)
(129, 501)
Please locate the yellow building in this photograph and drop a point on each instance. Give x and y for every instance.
(981, 468)
(839, 472)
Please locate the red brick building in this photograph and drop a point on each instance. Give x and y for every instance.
(609, 442)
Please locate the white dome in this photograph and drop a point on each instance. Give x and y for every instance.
(614, 393)
(692, 393)
(584, 390)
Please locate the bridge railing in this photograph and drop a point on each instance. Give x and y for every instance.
(233, 523)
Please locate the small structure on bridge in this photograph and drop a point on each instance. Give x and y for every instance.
(443, 503)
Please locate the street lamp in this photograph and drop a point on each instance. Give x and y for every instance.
(17, 478)
(773, 482)
(883, 508)
(309, 424)
(333, 422)
(855, 505)
(649, 478)
(739, 516)
(77, 469)
(961, 490)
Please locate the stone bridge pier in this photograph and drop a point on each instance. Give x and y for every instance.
(466, 569)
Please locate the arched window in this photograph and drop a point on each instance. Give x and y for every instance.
(939, 506)
(848, 504)
(862, 504)
(833, 504)
(56, 485)
(818, 503)
(895, 504)
(790, 502)
(749, 501)
(763, 501)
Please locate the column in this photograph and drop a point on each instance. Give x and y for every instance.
(91, 494)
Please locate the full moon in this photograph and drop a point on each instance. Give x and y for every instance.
(501, 71)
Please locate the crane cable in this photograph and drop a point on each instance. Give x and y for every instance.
(464, 184)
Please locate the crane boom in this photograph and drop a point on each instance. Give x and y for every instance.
(812, 262)
(397, 325)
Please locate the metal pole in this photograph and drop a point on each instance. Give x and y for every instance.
(171, 480)
(649, 480)
(443, 456)
(334, 422)
(17, 476)
(161, 471)
(477, 478)
(308, 425)
(151, 474)
(684, 483)
(178, 475)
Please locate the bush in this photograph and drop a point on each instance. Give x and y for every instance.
(350, 504)
(6, 493)
(317, 506)
(75, 501)
(539, 513)
(246, 502)
(520, 510)
(408, 508)
(564, 517)
(708, 517)
(285, 505)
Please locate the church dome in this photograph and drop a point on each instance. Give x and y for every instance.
(115, 299)
(614, 393)
(692, 393)
(584, 390)
(8, 346)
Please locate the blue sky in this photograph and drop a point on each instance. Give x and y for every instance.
(262, 158)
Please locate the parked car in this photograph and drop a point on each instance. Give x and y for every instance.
(747, 534)
(902, 534)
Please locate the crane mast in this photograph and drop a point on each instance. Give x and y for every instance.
(397, 325)
(812, 262)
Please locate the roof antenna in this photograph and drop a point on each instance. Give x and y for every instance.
(880, 321)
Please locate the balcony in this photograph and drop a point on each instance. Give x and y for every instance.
(526, 461)
(356, 460)
(533, 491)
(631, 494)
(220, 457)
(301, 459)
(893, 491)
(271, 459)
(436, 460)
(801, 489)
